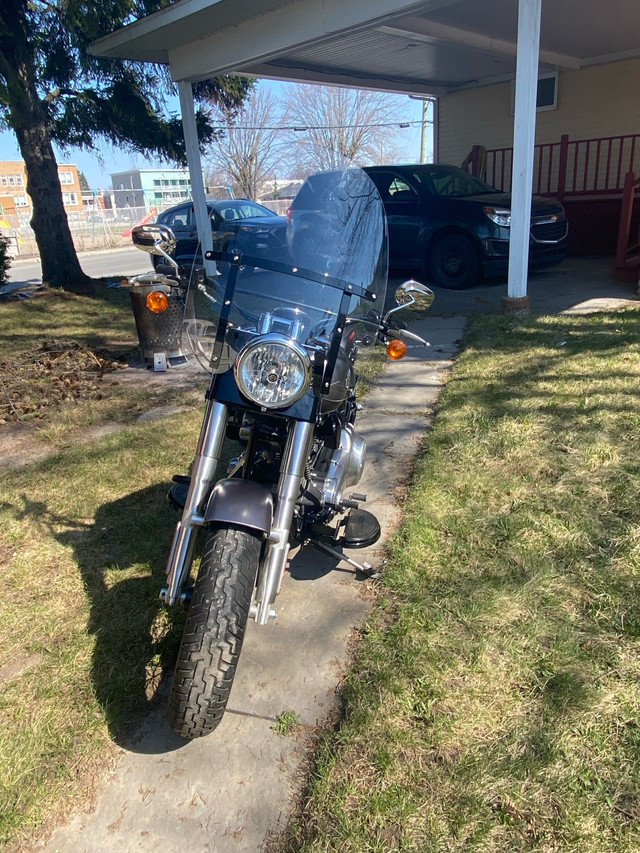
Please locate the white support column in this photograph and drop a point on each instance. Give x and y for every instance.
(529, 12)
(203, 223)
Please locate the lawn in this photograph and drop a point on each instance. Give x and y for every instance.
(494, 699)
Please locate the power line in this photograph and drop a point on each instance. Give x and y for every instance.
(298, 128)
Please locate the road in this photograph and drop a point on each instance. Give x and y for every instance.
(110, 262)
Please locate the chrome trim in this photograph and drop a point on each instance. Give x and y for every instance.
(276, 550)
(203, 471)
(548, 221)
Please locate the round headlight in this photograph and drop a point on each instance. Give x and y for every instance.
(273, 371)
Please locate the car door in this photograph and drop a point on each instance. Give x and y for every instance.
(182, 221)
(224, 225)
(402, 206)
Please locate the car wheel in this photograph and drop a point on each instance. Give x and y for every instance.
(305, 248)
(453, 262)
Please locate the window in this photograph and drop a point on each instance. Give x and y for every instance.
(183, 217)
(20, 201)
(546, 96)
(393, 188)
(69, 198)
(66, 177)
(4, 181)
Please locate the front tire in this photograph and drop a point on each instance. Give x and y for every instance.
(214, 631)
(454, 262)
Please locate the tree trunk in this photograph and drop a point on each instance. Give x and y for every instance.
(60, 266)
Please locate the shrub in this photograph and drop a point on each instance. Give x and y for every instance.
(5, 261)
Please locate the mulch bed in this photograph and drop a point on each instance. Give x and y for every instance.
(56, 372)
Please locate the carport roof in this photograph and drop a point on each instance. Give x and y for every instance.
(429, 47)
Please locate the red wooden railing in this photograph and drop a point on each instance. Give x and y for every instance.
(628, 251)
(568, 168)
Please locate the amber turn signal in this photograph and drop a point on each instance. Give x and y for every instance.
(396, 349)
(157, 301)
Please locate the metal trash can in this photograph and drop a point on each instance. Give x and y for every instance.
(159, 333)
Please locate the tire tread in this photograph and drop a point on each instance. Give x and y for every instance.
(214, 631)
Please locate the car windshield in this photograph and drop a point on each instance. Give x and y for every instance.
(240, 209)
(451, 182)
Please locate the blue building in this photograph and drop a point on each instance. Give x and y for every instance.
(147, 188)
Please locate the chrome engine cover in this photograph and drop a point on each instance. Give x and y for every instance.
(336, 470)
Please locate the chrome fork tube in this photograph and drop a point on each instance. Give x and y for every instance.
(294, 459)
(203, 471)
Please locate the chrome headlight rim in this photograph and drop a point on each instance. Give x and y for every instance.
(291, 349)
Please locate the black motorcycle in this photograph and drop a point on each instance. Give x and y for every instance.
(281, 341)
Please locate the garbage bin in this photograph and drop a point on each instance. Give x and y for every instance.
(159, 333)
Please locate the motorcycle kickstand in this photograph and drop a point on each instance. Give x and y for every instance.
(365, 568)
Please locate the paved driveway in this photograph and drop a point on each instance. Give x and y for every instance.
(575, 282)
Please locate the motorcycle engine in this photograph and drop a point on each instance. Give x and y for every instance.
(337, 469)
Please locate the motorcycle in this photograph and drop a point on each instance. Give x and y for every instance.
(281, 342)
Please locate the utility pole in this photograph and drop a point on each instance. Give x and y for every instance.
(427, 101)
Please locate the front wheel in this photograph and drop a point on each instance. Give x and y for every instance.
(214, 631)
(454, 262)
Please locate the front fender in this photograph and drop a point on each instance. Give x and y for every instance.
(240, 502)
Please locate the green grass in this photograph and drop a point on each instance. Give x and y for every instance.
(494, 702)
(99, 322)
(286, 723)
(83, 544)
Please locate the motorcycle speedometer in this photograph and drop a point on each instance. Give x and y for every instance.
(273, 371)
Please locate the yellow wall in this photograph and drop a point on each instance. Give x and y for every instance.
(602, 100)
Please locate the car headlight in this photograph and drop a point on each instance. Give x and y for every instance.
(273, 371)
(499, 215)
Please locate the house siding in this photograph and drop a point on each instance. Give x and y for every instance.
(592, 102)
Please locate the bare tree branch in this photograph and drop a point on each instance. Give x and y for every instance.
(247, 154)
(341, 127)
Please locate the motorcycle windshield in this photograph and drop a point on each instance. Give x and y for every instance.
(325, 293)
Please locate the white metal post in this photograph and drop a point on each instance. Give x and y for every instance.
(203, 223)
(529, 13)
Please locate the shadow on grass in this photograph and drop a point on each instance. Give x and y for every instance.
(104, 318)
(121, 556)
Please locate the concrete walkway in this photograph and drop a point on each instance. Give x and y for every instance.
(228, 791)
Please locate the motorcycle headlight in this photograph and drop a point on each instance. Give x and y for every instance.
(499, 216)
(273, 371)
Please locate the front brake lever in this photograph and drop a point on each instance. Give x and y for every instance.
(408, 336)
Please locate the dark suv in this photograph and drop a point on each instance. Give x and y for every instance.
(455, 227)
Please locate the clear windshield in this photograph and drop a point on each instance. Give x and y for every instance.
(327, 293)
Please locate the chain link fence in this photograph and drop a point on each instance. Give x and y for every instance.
(94, 229)
(91, 229)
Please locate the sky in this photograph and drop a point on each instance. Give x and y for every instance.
(98, 166)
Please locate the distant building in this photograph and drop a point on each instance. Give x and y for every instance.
(14, 200)
(279, 189)
(147, 188)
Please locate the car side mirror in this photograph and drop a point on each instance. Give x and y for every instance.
(412, 293)
(155, 239)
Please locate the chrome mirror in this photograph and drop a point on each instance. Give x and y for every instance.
(412, 293)
(155, 239)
